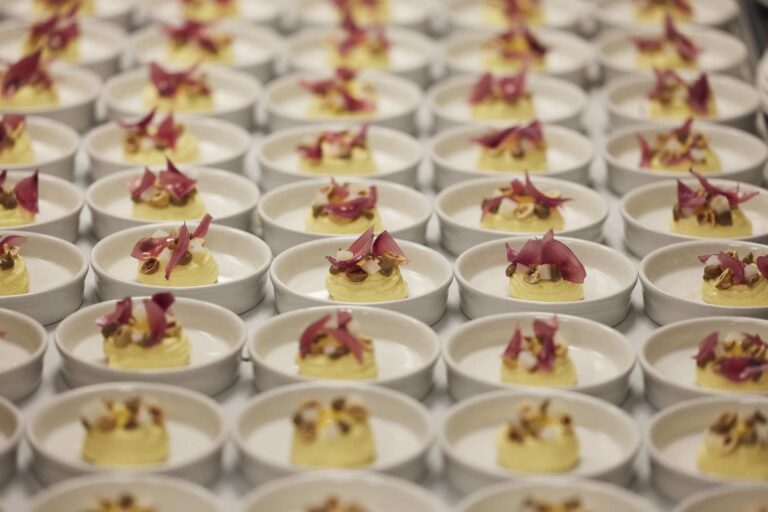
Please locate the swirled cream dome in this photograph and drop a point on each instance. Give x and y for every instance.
(736, 446)
(19, 203)
(341, 96)
(521, 207)
(148, 144)
(344, 209)
(167, 195)
(734, 362)
(731, 280)
(179, 91)
(679, 149)
(502, 98)
(338, 152)
(14, 275)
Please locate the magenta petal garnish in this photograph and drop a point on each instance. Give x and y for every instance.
(543, 329)
(167, 133)
(139, 186)
(735, 368)
(360, 248)
(182, 246)
(310, 334)
(682, 43)
(26, 191)
(202, 228)
(141, 125)
(356, 207)
(385, 245)
(515, 344)
(121, 315)
(26, 71)
(707, 347)
(482, 89)
(164, 300)
(688, 199)
(167, 83)
(3, 176)
(530, 253)
(147, 248)
(343, 318)
(734, 265)
(540, 197)
(762, 265)
(511, 254)
(646, 153)
(699, 93)
(176, 182)
(348, 340)
(12, 241)
(155, 319)
(560, 255)
(733, 195)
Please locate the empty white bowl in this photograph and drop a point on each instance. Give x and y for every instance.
(298, 275)
(484, 286)
(230, 198)
(603, 357)
(283, 211)
(608, 436)
(196, 432)
(402, 429)
(22, 348)
(406, 350)
(54, 145)
(216, 337)
(11, 428)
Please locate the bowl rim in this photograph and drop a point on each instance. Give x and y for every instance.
(68, 135)
(19, 428)
(61, 184)
(42, 339)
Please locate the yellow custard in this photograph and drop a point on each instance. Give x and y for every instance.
(365, 12)
(14, 279)
(194, 42)
(734, 363)
(56, 37)
(736, 446)
(518, 148)
(16, 145)
(189, 54)
(344, 209)
(523, 366)
(123, 503)
(514, 50)
(691, 226)
(146, 152)
(673, 97)
(663, 59)
(194, 209)
(329, 224)
(679, 108)
(335, 435)
(183, 101)
(201, 270)
(334, 367)
(15, 217)
(521, 207)
(19, 203)
(523, 109)
(359, 161)
(573, 504)
(544, 291)
(343, 96)
(523, 221)
(359, 47)
(376, 287)
(341, 152)
(130, 433)
(736, 295)
(534, 160)
(539, 441)
(709, 162)
(655, 11)
(722, 287)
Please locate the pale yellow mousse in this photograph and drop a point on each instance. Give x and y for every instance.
(364, 11)
(522, 109)
(654, 11)
(162, 200)
(87, 7)
(671, 50)
(513, 50)
(673, 98)
(680, 150)
(736, 446)
(334, 153)
(539, 440)
(527, 365)
(737, 363)
(518, 211)
(123, 503)
(124, 433)
(145, 149)
(209, 10)
(336, 353)
(344, 98)
(194, 42)
(335, 504)
(710, 211)
(14, 275)
(15, 141)
(531, 286)
(27, 84)
(515, 149)
(719, 286)
(498, 13)
(183, 91)
(334, 435)
(359, 47)
(18, 204)
(706, 226)
(56, 37)
(573, 504)
(196, 268)
(343, 209)
(375, 287)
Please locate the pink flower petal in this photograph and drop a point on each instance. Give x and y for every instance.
(385, 245)
(699, 94)
(121, 315)
(164, 300)
(515, 344)
(762, 265)
(182, 246)
(733, 195)
(646, 153)
(360, 248)
(707, 347)
(26, 71)
(176, 182)
(12, 241)
(167, 133)
(354, 208)
(540, 197)
(543, 329)
(560, 255)
(26, 191)
(311, 333)
(202, 228)
(512, 256)
(156, 321)
(141, 185)
(688, 199)
(734, 265)
(3, 176)
(147, 248)
(343, 318)
(348, 340)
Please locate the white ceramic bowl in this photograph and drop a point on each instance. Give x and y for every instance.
(243, 260)
(454, 156)
(163, 492)
(603, 357)
(647, 214)
(667, 357)
(255, 49)
(78, 90)
(413, 14)
(484, 287)
(298, 275)
(54, 145)
(196, 431)
(56, 279)
(406, 349)
(60, 203)
(254, 12)
(721, 498)
(282, 211)
(555, 101)
(560, 14)
(719, 52)
(411, 54)
(671, 277)
(216, 338)
(235, 95)
(22, 348)
(402, 430)
(119, 13)
(609, 439)
(285, 102)
(397, 154)
(737, 102)
(705, 12)
(568, 57)
(458, 209)
(223, 145)
(378, 493)
(99, 45)
(673, 437)
(742, 156)
(598, 495)
(11, 428)
(231, 199)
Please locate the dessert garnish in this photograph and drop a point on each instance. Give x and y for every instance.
(333, 435)
(146, 337)
(538, 359)
(180, 90)
(194, 40)
(360, 46)
(123, 503)
(679, 149)
(344, 208)
(167, 195)
(736, 445)
(538, 440)
(517, 148)
(334, 504)
(504, 97)
(128, 432)
(368, 270)
(335, 348)
(652, 10)
(573, 504)
(14, 276)
(209, 10)
(710, 210)
(343, 151)
(19, 204)
(56, 36)
(673, 96)
(15, 141)
(180, 255)
(522, 207)
(516, 47)
(733, 281)
(26, 82)
(146, 143)
(671, 49)
(737, 362)
(546, 270)
(343, 94)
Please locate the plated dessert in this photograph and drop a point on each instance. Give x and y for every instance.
(515, 48)
(679, 149)
(344, 208)
(674, 97)
(341, 96)
(195, 41)
(521, 207)
(368, 270)
(732, 362)
(167, 195)
(26, 83)
(733, 280)
(15, 140)
(338, 152)
(482, 14)
(670, 50)
(359, 46)
(57, 36)
(14, 274)
(18, 203)
(337, 434)
(181, 91)
(517, 148)
(145, 143)
(736, 446)
(502, 97)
